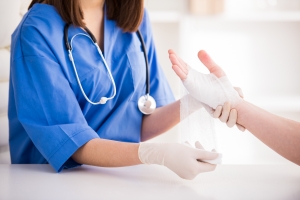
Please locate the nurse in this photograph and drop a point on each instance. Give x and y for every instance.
(50, 120)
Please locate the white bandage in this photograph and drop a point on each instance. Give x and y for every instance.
(189, 105)
(210, 90)
(196, 124)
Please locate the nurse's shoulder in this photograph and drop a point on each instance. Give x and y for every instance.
(146, 29)
(40, 28)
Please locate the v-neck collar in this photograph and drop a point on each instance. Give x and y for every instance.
(109, 34)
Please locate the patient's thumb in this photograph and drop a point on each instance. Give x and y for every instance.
(210, 64)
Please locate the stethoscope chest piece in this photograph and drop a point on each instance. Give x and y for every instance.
(146, 104)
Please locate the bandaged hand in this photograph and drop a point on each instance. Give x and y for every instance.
(213, 90)
(187, 162)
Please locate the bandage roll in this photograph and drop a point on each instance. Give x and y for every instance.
(195, 124)
(4, 65)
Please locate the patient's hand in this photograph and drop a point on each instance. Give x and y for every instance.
(182, 69)
(224, 112)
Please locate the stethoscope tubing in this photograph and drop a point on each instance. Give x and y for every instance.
(142, 102)
(146, 61)
(103, 99)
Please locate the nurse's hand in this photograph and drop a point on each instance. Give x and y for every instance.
(184, 160)
(224, 113)
(228, 116)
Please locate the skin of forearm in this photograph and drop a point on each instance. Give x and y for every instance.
(107, 153)
(160, 121)
(280, 134)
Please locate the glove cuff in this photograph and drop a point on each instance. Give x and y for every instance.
(151, 153)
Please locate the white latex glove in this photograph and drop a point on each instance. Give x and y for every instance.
(216, 161)
(180, 158)
(228, 115)
(224, 113)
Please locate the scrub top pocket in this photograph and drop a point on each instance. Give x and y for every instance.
(138, 69)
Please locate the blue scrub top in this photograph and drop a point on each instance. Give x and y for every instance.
(49, 118)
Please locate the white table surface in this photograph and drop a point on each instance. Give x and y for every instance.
(153, 182)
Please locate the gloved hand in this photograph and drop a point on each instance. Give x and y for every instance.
(224, 113)
(182, 159)
(216, 161)
(228, 115)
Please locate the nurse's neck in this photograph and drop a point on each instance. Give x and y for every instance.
(91, 4)
(93, 18)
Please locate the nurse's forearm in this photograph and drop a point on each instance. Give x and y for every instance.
(280, 134)
(163, 119)
(107, 153)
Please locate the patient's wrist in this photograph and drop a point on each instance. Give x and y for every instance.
(242, 109)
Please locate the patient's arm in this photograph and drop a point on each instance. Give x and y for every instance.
(280, 134)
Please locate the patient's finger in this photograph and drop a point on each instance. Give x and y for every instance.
(210, 64)
(175, 61)
(179, 72)
(183, 64)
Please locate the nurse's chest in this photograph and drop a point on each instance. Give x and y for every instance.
(125, 61)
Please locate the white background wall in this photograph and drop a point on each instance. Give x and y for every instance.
(11, 12)
(257, 46)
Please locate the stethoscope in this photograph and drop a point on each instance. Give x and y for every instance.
(146, 103)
